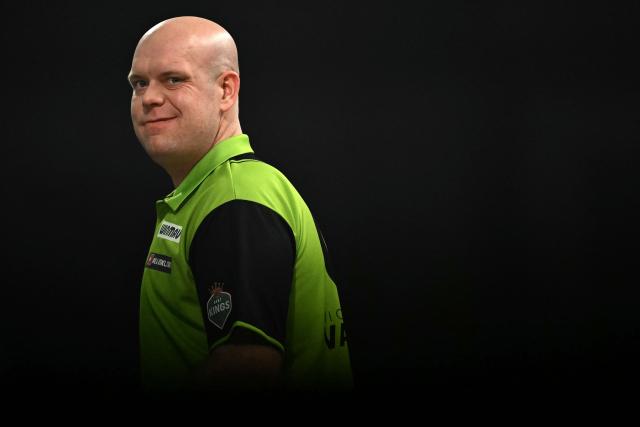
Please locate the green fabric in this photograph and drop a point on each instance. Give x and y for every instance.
(172, 335)
(238, 323)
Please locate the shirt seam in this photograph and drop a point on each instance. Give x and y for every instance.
(233, 184)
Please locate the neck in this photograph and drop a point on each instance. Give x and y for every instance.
(226, 130)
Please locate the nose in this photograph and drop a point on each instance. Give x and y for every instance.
(152, 96)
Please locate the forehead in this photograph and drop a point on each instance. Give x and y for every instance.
(158, 55)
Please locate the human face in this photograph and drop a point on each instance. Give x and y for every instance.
(174, 108)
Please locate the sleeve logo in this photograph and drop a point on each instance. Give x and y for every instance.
(170, 231)
(219, 305)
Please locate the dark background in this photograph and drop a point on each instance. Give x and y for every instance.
(473, 168)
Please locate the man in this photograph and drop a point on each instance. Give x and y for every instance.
(235, 292)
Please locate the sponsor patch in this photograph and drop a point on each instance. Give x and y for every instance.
(159, 262)
(219, 305)
(170, 231)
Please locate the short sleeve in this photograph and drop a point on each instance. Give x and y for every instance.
(242, 258)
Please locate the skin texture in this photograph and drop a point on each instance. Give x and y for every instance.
(185, 80)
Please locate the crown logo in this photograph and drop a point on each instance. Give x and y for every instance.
(216, 288)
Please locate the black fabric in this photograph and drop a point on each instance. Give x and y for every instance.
(245, 156)
(251, 250)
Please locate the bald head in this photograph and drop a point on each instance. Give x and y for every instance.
(205, 41)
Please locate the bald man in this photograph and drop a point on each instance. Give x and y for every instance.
(236, 290)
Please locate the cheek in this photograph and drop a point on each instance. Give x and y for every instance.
(198, 113)
(202, 114)
(135, 109)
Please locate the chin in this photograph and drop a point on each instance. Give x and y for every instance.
(159, 146)
(167, 153)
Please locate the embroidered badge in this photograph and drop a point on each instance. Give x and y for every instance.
(159, 262)
(170, 231)
(219, 305)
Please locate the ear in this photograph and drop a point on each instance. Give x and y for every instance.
(229, 82)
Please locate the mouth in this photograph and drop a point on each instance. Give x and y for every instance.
(160, 120)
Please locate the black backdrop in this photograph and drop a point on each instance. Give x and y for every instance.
(471, 166)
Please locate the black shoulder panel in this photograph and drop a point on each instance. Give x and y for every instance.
(242, 258)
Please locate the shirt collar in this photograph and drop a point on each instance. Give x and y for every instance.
(220, 153)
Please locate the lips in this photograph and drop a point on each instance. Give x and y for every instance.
(158, 120)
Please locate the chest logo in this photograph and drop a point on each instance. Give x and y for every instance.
(219, 305)
(170, 231)
(159, 262)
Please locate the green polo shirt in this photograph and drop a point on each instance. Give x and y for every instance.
(235, 246)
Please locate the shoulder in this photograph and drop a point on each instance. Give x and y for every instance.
(256, 173)
(252, 181)
(238, 175)
(262, 183)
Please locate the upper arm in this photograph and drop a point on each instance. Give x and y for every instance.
(241, 366)
(242, 259)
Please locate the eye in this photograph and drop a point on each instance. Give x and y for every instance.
(138, 84)
(175, 80)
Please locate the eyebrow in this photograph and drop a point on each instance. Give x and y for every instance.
(132, 77)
